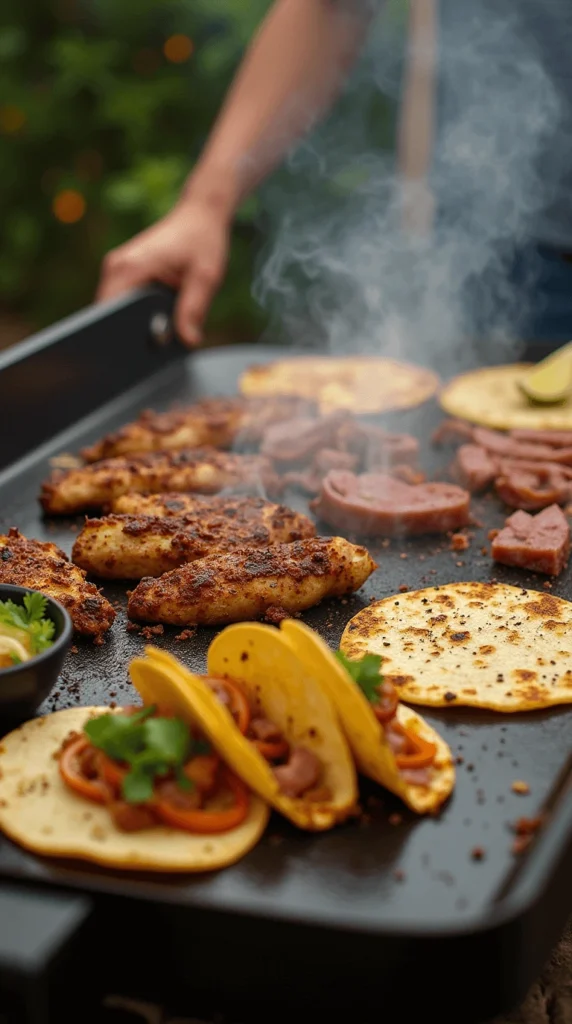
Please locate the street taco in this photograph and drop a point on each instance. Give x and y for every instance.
(278, 728)
(391, 743)
(137, 789)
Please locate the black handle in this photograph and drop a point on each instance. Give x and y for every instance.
(62, 374)
(35, 930)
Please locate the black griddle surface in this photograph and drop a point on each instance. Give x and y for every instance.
(416, 875)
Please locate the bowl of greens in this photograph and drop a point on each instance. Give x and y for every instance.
(35, 634)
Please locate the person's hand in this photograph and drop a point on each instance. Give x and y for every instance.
(186, 250)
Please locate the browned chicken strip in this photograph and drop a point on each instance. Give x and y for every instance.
(42, 566)
(219, 422)
(173, 504)
(244, 584)
(130, 547)
(204, 470)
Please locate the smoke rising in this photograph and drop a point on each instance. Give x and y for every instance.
(338, 270)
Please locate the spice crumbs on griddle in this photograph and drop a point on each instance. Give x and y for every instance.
(399, 875)
(74, 649)
(395, 819)
(186, 634)
(520, 844)
(459, 759)
(404, 554)
(459, 542)
(547, 585)
(148, 632)
(520, 787)
(477, 853)
(403, 588)
(133, 627)
(527, 826)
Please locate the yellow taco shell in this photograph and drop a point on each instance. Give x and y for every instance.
(365, 734)
(270, 673)
(39, 812)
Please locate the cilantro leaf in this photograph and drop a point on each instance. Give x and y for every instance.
(366, 672)
(137, 786)
(151, 747)
(29, 617)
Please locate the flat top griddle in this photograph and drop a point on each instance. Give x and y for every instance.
(382, 875)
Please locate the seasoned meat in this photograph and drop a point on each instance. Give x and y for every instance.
(40, 565)
(553, 438)
(540, 543)
(240, 586)
(172, 504)
(263, 729)
(130, 547)
(453, 432)
(378, 505)
(301, 773)
(508, 447)
(299, 440)
(532, 486)
(217, 422)
(475, 468)
(203, 470)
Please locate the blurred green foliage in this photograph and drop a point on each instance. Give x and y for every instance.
(90, 102)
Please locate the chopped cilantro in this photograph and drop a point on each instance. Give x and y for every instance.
(30, 617)
(366, 672)
(152, 747)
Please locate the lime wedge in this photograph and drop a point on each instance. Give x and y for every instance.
(550, 381)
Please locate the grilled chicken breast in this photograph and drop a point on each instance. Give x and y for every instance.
(130, 547)
(41, 565)
(204, 470)
(244, 584)
(219, 422)
(173, 504)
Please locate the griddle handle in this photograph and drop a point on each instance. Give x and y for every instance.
(35, 930)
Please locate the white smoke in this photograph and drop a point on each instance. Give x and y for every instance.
(338, 269)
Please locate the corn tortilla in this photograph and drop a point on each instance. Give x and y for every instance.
(491, 397)
(363, 385)
(365, 734)
(280, 687)
(483, 645)
(39, 812)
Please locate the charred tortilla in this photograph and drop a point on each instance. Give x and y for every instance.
(364, 733)
(281, 687)
(39, 812)
(482, 645)
(492, 397)
(360, 384)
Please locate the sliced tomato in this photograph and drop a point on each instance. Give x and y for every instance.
(421, 752)
(272, 750)
(113, 772)
(386, 707)
(237, 701)
(73, 776)
(202, 771)
(208, 822)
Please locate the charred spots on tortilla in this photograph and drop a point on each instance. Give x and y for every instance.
(449, 696)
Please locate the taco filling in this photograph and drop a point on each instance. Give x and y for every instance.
(149, 768)
(297, 770)
(414, 755)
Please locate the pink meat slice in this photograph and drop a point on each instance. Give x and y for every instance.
(532, 486)
(475, 468)
(503, 445)
(553, 438)
(540, 543)
(378, 505)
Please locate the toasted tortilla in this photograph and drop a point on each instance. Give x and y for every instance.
(263, 663)
(492, 397)
(40, 813)
(360, 384)
(484, 645)
(366, 737)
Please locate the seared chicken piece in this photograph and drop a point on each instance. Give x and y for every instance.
(219, 422)
(203, 470)
(41, 565)
(130, 547)
(244, 584)
(176, 504)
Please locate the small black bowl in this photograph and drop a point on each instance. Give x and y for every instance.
(25, 686)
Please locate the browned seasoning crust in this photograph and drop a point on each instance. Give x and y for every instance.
(218, 422)
(244, 584)
(201, 470)
(41, 565)
(130, 546)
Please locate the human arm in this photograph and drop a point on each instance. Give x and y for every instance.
(289, 77)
